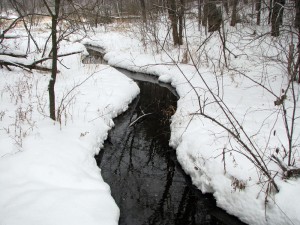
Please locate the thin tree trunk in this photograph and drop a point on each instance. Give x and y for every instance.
(199, 13)
(297, 18)
(144, 15)
(205, 14)
(226, 7)
(180, 22)
(234, 13)
(277, 14)
(121, 7)
(54, 60)
(258, 9)
(174, 19)
(298, 56)
(282, 3)
(297, 25)
(270, 11)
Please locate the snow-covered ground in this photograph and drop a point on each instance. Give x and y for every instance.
(47, 171)
(48, 174)
(233, 179)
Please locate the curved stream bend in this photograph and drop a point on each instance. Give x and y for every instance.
(146, 181)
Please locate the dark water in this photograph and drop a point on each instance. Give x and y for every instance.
(146, 181)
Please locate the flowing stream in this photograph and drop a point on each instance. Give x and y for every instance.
(147, 182)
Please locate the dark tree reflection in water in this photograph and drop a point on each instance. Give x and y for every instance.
(137, 162)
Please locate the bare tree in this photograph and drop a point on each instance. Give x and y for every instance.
(54, 13)
(277, 16)
(200, 2)
(226, 6)
(143, 7)
(66, 19)
(180, 21)
(211, 17)
(270, 7)
(172, 10)
(258, 9)
(297, 25)
(234, 13)
(286, 111)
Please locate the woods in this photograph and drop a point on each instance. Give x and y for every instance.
(216, 50)
(68, 17)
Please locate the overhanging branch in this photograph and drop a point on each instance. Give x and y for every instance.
(27, 65)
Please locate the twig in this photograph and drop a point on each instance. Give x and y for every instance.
(136, 120)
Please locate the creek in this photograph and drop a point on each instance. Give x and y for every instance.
(146, 180)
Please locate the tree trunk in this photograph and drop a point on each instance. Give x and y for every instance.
(299, 56)
(119, 8)
(226, 7)
(270, 11)
(297, 25)
(199, 13)
(213, 16)
(172, 10)
(277, 14)
(234, 13)
(180, 22)
(144, 15)
(258, 9)
(54, 60)
(205, 14)
(297, 18)
(282, 3)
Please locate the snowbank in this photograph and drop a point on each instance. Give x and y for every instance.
(48, 174)
(232, 178)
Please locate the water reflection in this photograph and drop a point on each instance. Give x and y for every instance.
(137, 162)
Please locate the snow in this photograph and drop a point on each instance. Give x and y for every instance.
(48, 174)
(47, 171)
(199, 142)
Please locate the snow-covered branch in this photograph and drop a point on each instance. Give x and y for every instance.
(14, 60)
